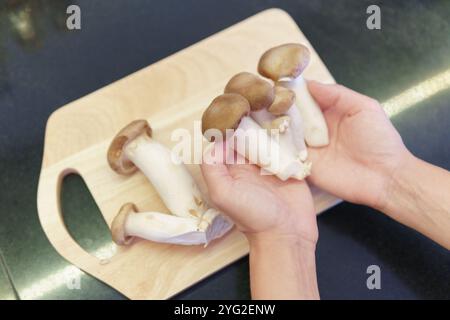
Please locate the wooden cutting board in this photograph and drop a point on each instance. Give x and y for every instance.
(170, 94)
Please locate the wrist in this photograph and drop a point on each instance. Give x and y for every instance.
(391, 182)
(273, 240)
(282, 267)
(396, 181)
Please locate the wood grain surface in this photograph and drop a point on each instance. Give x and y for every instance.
(170, 94)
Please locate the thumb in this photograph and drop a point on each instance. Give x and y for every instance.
(337, 96)
(215, 171)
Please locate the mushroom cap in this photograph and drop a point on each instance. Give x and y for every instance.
(118, 233)
(225, 112)
(284, 61)
(284, 99)
(116, 157)
(258, 92)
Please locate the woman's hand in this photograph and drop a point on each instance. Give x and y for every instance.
(366, 162)
(365, 150)
(279, 221)
(262, 206)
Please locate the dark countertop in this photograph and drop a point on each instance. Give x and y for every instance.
(55, 66)
(6, 288)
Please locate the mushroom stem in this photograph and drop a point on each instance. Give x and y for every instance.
(315, 127)
(134, 148)
(267, 152)
(171, 180)
(268, 121)
(297, 131)
(165, 228)
(290, 138)
(160, 227)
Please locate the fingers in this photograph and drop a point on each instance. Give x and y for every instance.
(243, 170)
(337, 96)
(240, 166)
(215, 172)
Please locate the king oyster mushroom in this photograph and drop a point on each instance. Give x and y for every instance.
(285, 64)
(134, 148)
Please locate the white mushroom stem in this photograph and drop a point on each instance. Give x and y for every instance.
(192, 221)
(316, 131)
(297, 131)
(171, 180)
(290, 134)
(214, 224)
(160, 227)
(254, 143)
(266, 120)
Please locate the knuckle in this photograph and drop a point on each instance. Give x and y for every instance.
(374, 103)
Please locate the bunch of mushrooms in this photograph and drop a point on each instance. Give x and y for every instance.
(191, 221)
(282, 112)
(284, 65)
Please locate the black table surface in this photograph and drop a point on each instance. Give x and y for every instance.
(44, 66)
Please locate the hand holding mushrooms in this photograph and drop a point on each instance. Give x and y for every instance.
(279, 221)
(269, 122)
(274, 211)
(366, 162)
(356, 154)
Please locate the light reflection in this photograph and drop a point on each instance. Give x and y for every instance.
(22, 23)
(65, 276)
(417, 93)
(28, 19)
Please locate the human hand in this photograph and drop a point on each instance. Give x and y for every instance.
(365, 149)
(262, 206)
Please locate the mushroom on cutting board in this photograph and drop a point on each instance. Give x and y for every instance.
(284, 64)
(164, 228)
(230, 111)
(270, 109)
(133, 148)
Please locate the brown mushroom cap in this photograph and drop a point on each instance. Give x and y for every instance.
(284, 99)
(225, 112)
(118, 233)
(284, 61)
(257, 91)
(116, 157)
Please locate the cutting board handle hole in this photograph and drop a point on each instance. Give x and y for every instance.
(83, 219)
